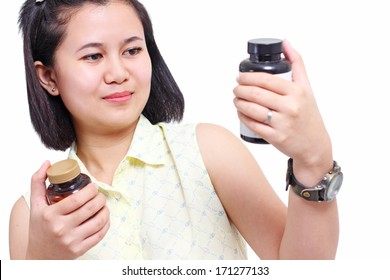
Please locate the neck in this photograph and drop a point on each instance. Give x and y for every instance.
(102, 153)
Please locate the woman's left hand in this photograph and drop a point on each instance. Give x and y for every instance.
(296, 127)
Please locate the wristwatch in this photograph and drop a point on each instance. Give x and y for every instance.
(325, 190)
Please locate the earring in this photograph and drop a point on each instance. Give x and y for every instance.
(53, 89)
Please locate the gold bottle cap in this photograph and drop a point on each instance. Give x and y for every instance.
(63, 171)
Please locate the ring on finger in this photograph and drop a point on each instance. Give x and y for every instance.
(269, 117)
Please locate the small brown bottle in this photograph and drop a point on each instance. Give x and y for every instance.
(65, 178)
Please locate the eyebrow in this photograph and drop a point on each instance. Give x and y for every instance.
(97, 45)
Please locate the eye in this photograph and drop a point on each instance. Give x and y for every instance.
(133, 51)
(93, 57)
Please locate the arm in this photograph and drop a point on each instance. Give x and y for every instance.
(250, 202)
(18, 230)
(65, 230)
(306, 230)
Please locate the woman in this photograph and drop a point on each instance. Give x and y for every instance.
(98, 85)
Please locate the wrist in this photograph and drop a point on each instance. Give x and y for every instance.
(312, 163)
(309, 173)
(325, 189)
(311, 167)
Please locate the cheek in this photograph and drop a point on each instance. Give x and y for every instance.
(76, 88)
(77, 81)
(144, 73)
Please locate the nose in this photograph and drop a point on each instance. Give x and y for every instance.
(116, 71)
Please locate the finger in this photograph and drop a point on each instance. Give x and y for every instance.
(38, 187)
(260, 128)
(273, 83)
(260, 96)
(77, 199)
(298, 67)
(89, 210)
(95, 229)
(253, 111)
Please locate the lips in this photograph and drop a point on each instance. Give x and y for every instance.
(118, 97)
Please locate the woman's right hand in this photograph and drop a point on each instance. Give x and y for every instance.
(69, 228)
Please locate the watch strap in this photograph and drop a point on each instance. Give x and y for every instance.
(315, 193)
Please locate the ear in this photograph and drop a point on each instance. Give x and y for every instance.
(46, 77)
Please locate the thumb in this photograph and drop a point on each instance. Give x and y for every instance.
(38, 187)
(298, 67)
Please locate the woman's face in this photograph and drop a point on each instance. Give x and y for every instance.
(102, 69)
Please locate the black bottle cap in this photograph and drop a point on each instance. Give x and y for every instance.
(265, 46)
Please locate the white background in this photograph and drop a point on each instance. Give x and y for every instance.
(345, 47)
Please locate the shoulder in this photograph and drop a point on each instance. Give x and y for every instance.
(174, 128)
(18, 229)
(179, 136)
(206, 132)
(218, 147)
(20, 207)
(211, 140)
(215, 140)
(223, 152)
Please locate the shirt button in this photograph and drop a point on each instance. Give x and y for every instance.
(117, 196)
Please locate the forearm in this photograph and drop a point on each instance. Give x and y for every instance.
(312, 228)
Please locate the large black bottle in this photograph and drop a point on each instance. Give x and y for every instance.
(265, 55)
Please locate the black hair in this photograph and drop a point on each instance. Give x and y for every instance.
(43, 27)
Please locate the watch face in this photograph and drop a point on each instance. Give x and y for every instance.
(334, 186)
